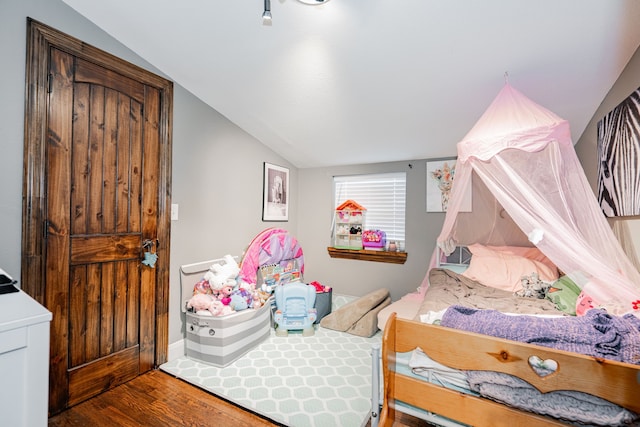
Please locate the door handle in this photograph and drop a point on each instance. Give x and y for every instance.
(150, 243)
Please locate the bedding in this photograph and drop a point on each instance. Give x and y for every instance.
(405, 308)
(566, 405)
(597, 333)
(447, 288)
(501, 386)
(508, 389)
(451, 296)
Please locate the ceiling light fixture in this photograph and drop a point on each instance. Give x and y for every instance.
(266, 15)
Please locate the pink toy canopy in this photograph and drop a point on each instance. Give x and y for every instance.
(528, 188)
(270, 246)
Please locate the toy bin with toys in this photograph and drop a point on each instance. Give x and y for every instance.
(223, 320)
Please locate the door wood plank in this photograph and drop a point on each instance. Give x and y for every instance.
(96, 156)
(94, 278)
(77, 316)
(104, 248)
(120, 315)
(135, 173)
(58, 220)
(92, 379)
(80, 164)
(89, 72)
(150, 198)
(106, 309)
(110, 165)
(133, 302)
(124, 166)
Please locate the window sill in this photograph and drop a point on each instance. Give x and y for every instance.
(367, 255)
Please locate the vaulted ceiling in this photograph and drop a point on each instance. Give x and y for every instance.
(367, 81)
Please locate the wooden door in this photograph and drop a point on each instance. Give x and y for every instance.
(105, 203)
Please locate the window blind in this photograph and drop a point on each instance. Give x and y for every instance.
(384, 197)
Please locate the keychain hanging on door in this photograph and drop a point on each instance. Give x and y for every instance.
(150, 257)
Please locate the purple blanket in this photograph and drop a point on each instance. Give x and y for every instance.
(595, 334)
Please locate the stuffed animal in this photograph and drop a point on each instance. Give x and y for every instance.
(260, 297)
(216, 308)
(227, 271)
(225, 294)
(200, 303)
(533, 287)
(215, 282)
(202, 287)
(241, 299)
(584, 303)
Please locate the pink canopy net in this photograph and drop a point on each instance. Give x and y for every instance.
(528, 188)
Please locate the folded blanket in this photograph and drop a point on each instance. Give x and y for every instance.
(437, 373)
(596, 334)
(567, 405)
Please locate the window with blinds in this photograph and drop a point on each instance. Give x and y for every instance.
(384, 197)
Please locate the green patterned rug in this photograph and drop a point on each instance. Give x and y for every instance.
(318, 381)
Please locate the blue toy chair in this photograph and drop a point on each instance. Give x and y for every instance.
(295, 310)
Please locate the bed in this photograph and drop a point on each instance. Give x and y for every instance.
(613, 381)
(528, 190)
(575, 367)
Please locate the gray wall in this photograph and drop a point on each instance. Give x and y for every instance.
(217, 168)
(587, 145)
(354, 277)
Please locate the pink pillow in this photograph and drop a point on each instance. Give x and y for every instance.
(532, 253)
(504, 270)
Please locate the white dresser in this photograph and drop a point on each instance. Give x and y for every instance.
(24, 360)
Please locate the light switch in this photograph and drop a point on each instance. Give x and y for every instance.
(174, 212)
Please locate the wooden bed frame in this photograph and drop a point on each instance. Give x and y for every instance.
(614, 381)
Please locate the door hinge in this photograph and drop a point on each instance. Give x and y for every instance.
(45, 229)
(50, 83)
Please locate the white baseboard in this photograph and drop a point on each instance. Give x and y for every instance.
(176, 350)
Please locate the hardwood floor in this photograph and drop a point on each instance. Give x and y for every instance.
(158, 399)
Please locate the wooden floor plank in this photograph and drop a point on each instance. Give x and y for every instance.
(157, 399)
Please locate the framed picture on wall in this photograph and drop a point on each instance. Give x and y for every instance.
(275, 193)
(440, 176)
(619, 159)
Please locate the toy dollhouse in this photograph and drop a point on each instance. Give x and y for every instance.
(348, 225)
